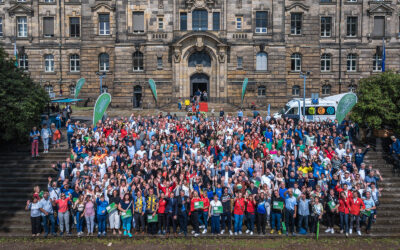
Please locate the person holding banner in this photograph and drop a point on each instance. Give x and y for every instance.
(368, 212)
(278, 204)
(113, 214)
(151, 212)
(331, 208)
(215, 211)
(139, 207)
(125, 206)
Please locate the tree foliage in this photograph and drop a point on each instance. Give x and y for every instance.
(378, 103)
(22, 101)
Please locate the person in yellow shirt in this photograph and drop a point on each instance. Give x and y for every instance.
(305, 169)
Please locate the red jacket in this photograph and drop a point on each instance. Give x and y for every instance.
(356, 206)
(251, 206)
(161, 206)
(239, 206)
(344, 205)
(349, 194)
(206, 204)
(166, 190)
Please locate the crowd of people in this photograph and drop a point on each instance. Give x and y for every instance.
(225, 175)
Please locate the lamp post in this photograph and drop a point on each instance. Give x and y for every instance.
(101, 76)
(304, 76)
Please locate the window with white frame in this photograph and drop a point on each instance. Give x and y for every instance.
(351, 62)
(352, 23)
(23, 62)
(104, 24)
(295, 23)
(326, 89)
(261, 91)
(104, 62)
(22, 26)
(261, 61)
(326, 62)
(49, 63)
(326, 26)
(377, 63)
(239, 23)
(295, 62)
(160, 21)
(138, 63)
(261, 21)
(49, 89)
(296, 90)
(74, 63)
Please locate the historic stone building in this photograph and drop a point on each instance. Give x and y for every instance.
(212, 45)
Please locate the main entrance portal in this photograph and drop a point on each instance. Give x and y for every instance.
(199, 83)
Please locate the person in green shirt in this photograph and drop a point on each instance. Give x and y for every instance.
(268, 144)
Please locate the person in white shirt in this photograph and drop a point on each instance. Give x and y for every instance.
(141, 152)
(215, 211)
(340, 151)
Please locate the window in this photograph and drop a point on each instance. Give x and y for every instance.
(200, 57)
(261, 91)
(325, 62)
(104, 62)
(351, 62)
(379, 26)
(239, 23)
(160, 22)
(240, 62)
(138, 61)
(295, 24)
(216, 21)
(49, 63)
(261, 61)
(23, 62)
(72, 90)
(1, 26)
(296, 62)
(74, 27)
(104, 89)
(138, 22)
(326, 89)
(352, 87)
(49, 89)
(326, 1)
(296, 90)
(104, 24)
(352, 1)
(261, 21)
(49, 1)
(159, 63)
(352, 26)
(377, 63)
(199, 20)
(48, 26)
(183, 21)
(326, 26)
(22, 26)
(74, 63)
(21, 1)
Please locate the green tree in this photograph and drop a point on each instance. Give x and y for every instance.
(378, 103)
(22, 102)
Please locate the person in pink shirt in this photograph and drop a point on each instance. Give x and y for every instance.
(89, 214)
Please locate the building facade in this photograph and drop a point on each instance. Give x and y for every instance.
(212, 45)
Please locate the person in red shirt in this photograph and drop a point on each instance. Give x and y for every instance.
(250, 213)
(166, 187)
(161, 214)
(344, 211)
(238, 211)
(194, 213)
(356, 205)
(203, 217)
(63, 212)
(347, 192)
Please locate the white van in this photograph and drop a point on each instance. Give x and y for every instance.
(320, 109)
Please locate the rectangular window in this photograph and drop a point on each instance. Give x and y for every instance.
(160, 21)
(48, 26)
(22, 26)
(240, 62)
(1, 26)
(379, 26)
(352, 26)
(159, 63)
(216, 21)
(239, 23)
(261, 21)
(326, 26)
(138, 22)
(200, 20)
(183, 21)
(295, 23)
(74, 27)
(104, 24)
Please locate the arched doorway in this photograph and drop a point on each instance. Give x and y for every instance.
(199, 83)
(137, 96)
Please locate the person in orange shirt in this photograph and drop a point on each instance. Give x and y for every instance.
(194, 213)
(356, 205)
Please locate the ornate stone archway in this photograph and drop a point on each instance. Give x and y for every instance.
(217, 72)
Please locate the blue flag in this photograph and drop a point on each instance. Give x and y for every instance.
(383, 55)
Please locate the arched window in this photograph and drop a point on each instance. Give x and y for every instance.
(351, 62)
(200, 57)
(74, 63)
(295, 62)
(296, 90)
(200, 20)
(104, 62)
(326, 89)
(377, 62)
(23, 62)
(49, 63)
(325, 62)
(261, 61)
(138, 61)
(261, 91)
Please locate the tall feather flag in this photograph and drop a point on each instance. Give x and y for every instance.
(244, 86)
(153, 88)
(16, 54)
(383, 55)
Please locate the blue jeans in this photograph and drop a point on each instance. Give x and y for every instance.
(215, 224)
(289, 220)
(226, 219)
(250, 221)
(303, 220)
(69, 136)
(45, 222)
(238, 222)
(203, 216)
(344, 222)
(79, 221)
(276, 221)
(101, 220)
(126, 224)
(370, 218)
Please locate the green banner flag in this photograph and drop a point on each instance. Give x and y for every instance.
(151, 218)
(79, 85)
(244, 86)
(198, 205)
(345, 105)
(101, 106)
(153, 88)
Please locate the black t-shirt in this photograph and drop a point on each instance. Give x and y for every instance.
(272, 204)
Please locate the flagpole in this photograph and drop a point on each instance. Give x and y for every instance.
(383, 64)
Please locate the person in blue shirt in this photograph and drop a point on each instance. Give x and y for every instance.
(370, 207)
(70, 131)
(395, 150)
(290, 211)
(318, 168)
(34, 135)
(101, 215)
(359, 155)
